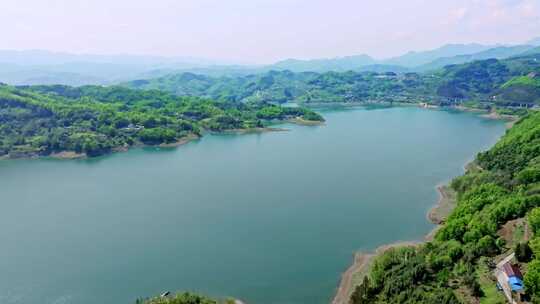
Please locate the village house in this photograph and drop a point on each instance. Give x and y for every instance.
(510, 280)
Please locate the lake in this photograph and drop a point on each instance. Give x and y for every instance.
(270, 218)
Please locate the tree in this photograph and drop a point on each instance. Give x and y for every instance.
(535, 246)
(532, 279)
(534, 220)
(363, 294)
(523, 252)
(469, 279)
(185, 298)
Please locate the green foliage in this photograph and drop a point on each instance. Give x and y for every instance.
(363, 294)
(505, 83)
(531, 279)
(285, 86)
(534, 244)
(273, 86)
(40, 120)
(529, 176)
(185, 298)
(522, 89)
(402, 275)
(157, 135)
(522, 81)
(519, 147)
(473, 79)
(534, 220)
(470, 280)
(523, 252)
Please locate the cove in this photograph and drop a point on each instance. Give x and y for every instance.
(270, 218)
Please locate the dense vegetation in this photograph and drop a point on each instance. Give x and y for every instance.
(286, 86)
(41, 120)
(503, 185)
(184, 298)
(480, 83)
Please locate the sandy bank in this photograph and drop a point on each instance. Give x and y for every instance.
(303, 122)
(67, 155)
(251, 130)
(446, 203)
(495, 115)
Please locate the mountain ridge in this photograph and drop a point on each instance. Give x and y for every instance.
(35, 67)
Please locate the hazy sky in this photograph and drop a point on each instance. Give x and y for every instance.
(262, 30)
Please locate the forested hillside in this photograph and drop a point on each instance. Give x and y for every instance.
(485, 80)
(501, 187)
(184, 298)
(477, 84)
(93, 120)
(287, 86)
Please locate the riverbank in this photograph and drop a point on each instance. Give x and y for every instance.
(67, 155)
(362, 261)
(302, 122)
(484, 113)
(70, 155)
(180, 142)
(251, 130)
(446, 203)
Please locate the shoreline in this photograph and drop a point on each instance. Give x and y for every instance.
(484, 113)
(72, 155)
(445, 204)
(67, 155)
(249, 131)
(362, 261)
(178, 143)
(302, 122)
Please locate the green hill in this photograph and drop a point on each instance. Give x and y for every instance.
(521, 89)
(94, 120)
(273, 86)
(487, 80)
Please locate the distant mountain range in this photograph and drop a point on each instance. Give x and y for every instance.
(535, 41)
(414, 59)
(500, 52)
(44, 67)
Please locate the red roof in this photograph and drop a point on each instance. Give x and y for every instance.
(512, 270)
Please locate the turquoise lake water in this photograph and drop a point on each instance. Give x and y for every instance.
(269, 218)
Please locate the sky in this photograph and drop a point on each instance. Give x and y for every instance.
(262, 31)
